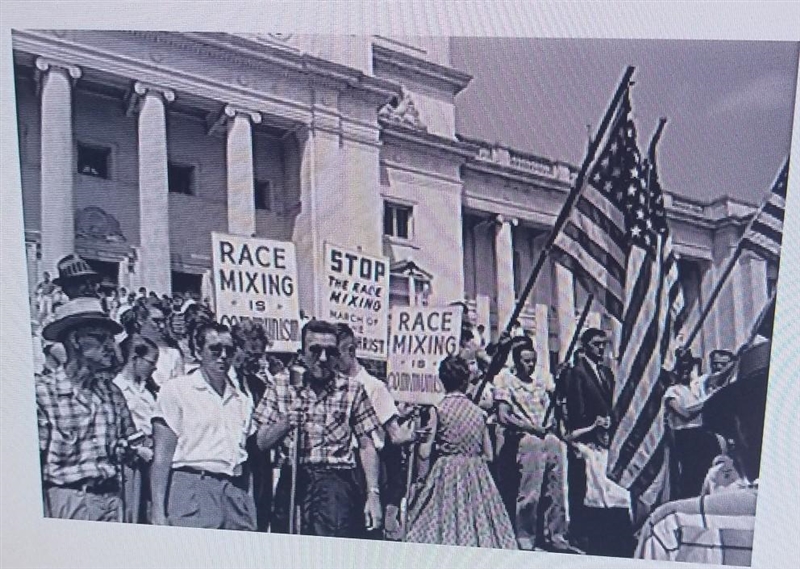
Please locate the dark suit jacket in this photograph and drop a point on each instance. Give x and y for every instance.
(588, 397)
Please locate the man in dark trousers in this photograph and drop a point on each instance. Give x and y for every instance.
(598, 527)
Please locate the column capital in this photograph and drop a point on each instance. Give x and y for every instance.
(139, 90)
(218, 121)
(45, 65)
(501, 219)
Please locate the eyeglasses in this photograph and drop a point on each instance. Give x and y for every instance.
(330, 351)
(217, 349)
(151, 362)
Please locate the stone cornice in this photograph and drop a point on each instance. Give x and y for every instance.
(509, 173)
(250, 51)
(48, 45)
(424, 139)
(455, 80)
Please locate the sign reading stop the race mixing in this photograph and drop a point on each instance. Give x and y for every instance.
(256, 279)
(420, 338)
(356, 292)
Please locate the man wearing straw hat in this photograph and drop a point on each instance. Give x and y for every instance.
(84, 422)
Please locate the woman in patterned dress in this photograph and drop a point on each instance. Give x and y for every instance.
(459, 503)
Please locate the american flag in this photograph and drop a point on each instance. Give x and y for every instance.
(765, 232)
(617, 244)
(655, 310)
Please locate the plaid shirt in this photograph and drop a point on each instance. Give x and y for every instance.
(528, 401)
(717, 529)
(78, 430)
(330, 419)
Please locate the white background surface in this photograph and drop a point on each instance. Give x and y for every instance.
(28, 540)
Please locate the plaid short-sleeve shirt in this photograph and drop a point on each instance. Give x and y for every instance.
(716, 529)
(329, 422)
(79, 429)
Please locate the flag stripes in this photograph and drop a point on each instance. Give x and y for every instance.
(594, 244)
(765, 232)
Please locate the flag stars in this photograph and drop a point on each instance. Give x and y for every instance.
(639, 214)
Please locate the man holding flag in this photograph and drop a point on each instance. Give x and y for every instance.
(617, 244)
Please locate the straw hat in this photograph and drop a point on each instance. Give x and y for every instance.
(78, 312)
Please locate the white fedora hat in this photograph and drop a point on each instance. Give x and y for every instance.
(78, 312)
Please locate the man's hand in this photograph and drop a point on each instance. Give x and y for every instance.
(145, 453)
(288, 421)
(373, 512)
(603, 422)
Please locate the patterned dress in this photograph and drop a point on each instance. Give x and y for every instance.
(459, 503)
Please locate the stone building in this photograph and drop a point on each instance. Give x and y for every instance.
(135, 146)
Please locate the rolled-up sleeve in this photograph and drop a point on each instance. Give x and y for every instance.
(363, 419)
(169, 409)
(267, 411)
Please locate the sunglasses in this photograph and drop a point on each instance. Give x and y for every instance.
(217, 349)
(330, 351)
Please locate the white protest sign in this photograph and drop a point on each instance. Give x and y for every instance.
(256, 279)
(420, 338)
(355, 291)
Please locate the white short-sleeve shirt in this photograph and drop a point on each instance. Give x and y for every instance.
(141, 402)
(212, 430)
(381, 400)
(169, 365)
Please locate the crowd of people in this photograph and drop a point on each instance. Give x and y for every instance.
(151, 411)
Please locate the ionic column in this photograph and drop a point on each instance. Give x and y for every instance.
(565, 307)
(504, 265)
(241, 178)
(154, 250)
(58, 162)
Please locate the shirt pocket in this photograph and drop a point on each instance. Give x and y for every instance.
(336, 430)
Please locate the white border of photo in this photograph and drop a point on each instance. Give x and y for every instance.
(30, 540)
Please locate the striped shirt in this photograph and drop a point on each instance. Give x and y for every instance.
(79, 429)
(716, 528)
(330, 419)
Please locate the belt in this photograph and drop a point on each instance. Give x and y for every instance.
(90, 485)
(208, 474)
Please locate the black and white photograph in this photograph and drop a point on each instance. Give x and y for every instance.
(487, 292)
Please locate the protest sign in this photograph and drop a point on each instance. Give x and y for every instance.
(355, 291)
(420, 338)
(256, 279)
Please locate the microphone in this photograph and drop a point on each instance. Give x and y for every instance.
(296, 373)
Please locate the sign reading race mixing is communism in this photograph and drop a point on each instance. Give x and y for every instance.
(256, 279)
(420, 338)
(355, 291)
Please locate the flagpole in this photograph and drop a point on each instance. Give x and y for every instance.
(499, 357)
(717, 290)
(759, 321)
(573, 195)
